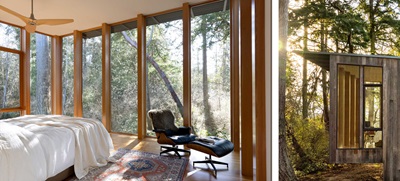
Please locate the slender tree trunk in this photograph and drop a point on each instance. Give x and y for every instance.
(208, 118)
(305, 81)
(286, 171)
(324, 83)
(372, 35)
(42, 74)
(160, 72)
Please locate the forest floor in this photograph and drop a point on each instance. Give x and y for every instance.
(348, 172)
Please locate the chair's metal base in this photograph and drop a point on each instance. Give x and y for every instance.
(212, 162)
(174, 149)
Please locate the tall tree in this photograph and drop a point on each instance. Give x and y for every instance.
(42, 74)
(286, 171)
(305, 81)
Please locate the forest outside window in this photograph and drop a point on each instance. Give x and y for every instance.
(40, 74)
(350, 79)
(68, 76)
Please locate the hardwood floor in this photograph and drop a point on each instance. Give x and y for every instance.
(202, 172)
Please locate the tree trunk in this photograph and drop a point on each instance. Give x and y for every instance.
(160, 72)
(42, 74)
(286, 171)
(372, 26)
(305, 81)
(208, 118)
(324, 84)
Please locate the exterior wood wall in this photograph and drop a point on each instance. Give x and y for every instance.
(389, 153)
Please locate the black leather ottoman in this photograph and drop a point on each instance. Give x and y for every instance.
(219, 148)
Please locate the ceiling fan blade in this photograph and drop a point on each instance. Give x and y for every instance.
(23, 18)
(53, 21)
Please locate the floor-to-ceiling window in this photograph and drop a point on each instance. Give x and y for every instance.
(124, 82)
(164, 88)
(9, 70)
(68, 76)
(91, 76)
(40, 74)
(210, 69)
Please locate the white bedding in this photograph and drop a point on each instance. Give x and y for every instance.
(38, 147)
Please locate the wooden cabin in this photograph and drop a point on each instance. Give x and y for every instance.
(364, 108)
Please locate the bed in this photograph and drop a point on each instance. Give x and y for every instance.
(38, 147)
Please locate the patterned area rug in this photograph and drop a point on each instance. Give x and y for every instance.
(137, 165)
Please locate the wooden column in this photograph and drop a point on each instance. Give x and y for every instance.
(25, 94)
(142, 116)
(187, 94)
(358, 120)
(77, 73)
(235, 78)
(353, 112)
(56, 75)
(341, 92)
(106, 76)
(246, 48)
(347, 109)
(263, 78)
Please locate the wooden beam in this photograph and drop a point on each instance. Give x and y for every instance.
(262, 80)
(106, 76)
(347, 110)
(25, 71)
(187, 96)
(353, 112)
(56, 75)
(235, 78)
(341, 110)
(246, 87)
(141, 32)
(77, 73)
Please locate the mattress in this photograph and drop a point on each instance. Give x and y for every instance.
(38, 147)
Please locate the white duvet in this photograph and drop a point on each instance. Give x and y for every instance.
(31, 146)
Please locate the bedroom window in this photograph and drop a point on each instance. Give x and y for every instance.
(40, 74)
(10, 36)
(9, 80)
(91, 77)
(210, 69)
(124, 82)
(68, 76)
(165, 65)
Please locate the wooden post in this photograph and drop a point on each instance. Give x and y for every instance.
(25, 93)
(187, 99)
(56, 75)
(77, 73)
(106, 76)
(235, 78)
(341, 109)
(347, 110)
(142, 116)
(352, 112)
(246, 88)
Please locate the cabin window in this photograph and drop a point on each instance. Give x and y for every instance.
(9, 80)
(40, 74)
(91, 76)
(372, 107)
(164, 51)
(68, 75)
(10, 36)
(124, 81)
(359, 126)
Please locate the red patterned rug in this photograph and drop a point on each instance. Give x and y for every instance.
(137, 165)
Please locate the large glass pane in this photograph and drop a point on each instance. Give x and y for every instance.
(40, 74)
(124, 85)
(372, 109)
(10, 36)
(348, 104)
(68, 76)
(92, 85)
(165, 69)
(211, 74)
(9, 80)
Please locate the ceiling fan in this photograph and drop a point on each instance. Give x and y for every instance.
(32, 22)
